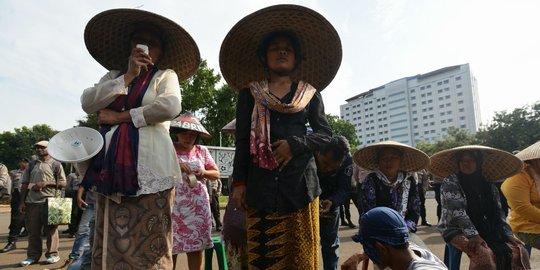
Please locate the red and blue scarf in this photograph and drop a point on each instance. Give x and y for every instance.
(115, 170)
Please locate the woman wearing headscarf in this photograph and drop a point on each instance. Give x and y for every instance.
(279, 59)
(391, 182)
(522, 192)
(191, 216)
(472, 218)
(134, 173)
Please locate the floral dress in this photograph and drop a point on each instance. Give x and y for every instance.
(191, 216)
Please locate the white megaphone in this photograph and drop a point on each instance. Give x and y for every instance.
(76, 145)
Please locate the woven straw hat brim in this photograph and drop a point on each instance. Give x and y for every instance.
(497, 164)
(412, 159)
(320, 46)
(107, 39)
(193, 124)
(530, 153)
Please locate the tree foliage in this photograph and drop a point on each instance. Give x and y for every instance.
(214, 107)
(89, 121)
(456, 137)
(19, 144)
(514, 130)
(343, 128)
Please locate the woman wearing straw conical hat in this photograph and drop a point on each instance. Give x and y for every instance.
(191, 215)
(279, 59)
(391, 182)
(522, 191)
(134, 174)
(471, 218)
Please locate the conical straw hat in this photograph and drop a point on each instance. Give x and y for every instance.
(107, 37)
(319, 43)
(412, 159)
(530, 153)
(497, 164)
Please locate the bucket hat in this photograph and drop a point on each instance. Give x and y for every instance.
(108, 33)
(319, 43)
(412, 159)
(530, 153)
(190, 122)
(496, 165)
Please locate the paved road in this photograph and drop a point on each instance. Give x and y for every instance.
(428, 234)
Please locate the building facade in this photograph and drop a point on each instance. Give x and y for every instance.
(416, 109)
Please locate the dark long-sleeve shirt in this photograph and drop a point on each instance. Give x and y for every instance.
(297, 184)
(336, 186)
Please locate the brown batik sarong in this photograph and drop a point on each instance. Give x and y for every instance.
(133, 234)
(288, 241)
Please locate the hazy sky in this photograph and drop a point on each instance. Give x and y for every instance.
(45, 64)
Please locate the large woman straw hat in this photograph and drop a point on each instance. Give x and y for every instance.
(189, 122)
(319, 43)
(108, 33)
(530, 153)
(496, 164)
(412, 159)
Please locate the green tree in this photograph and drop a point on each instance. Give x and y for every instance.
(456, 137)
(90, 120)
(343, 128)
(220, 111)
(514, 130)
(198, 91)
(19, 144)
(214, 107)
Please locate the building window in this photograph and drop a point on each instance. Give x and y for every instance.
(447, 97)
(459, 94)
(462, 118)
(441, 106)
(423, 103)
(463, 126)
(458, 78)
(439, 83)
(440, 98)
(445, 81)
(458, 85)
(443, 121)
(460, 102)
(461, 109)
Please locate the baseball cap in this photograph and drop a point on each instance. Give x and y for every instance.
(42, 143)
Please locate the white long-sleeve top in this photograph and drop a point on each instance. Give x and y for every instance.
(157, 163)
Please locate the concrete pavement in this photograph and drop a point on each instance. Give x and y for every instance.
(428, 234)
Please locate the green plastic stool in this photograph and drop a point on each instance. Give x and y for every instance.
(220, 252)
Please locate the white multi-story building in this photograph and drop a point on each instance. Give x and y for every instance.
(417, 108)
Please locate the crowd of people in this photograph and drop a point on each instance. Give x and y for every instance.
(152, 192)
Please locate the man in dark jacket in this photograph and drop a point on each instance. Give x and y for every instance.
(334, 169)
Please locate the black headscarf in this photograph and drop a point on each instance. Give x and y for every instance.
(484, 210)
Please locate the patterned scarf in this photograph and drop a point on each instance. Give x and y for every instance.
(115, 171)
(404, 188)
(260, 146)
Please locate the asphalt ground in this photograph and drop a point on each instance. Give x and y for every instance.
(429, 235)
